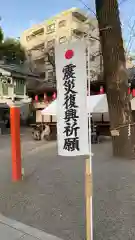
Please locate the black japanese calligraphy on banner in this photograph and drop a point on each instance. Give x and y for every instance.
(71, 125)
(72, 117)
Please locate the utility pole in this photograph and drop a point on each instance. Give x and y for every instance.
(116, 80)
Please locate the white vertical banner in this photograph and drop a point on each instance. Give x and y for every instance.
(72, 117)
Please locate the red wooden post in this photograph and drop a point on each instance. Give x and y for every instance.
(15, 143)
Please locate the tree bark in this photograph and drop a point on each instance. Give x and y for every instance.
(116, 80)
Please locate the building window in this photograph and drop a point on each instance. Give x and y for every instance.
(50, 74)
(78, 16)
(77, 33)
(51, 28)
(62, 39)
(35, 34)
(28, 38)
(62, 23)
(38, 32)
(39, 65)
(92, 58)
(50, 43)
(87, 52)
(43, 75)
(39, 61)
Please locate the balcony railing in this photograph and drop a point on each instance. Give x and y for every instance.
(78, 26)
(37, 54)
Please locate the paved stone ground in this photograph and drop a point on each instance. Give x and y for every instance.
(13, 230)
(51, 196)
(114, 196)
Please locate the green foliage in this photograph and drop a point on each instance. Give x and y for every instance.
(11, 51)
(1, 35)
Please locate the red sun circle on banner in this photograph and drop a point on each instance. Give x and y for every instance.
(69, 54)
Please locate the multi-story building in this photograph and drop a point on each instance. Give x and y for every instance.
(129, 62)
(66, 26)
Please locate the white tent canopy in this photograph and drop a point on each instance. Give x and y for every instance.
(51, 109)
(133, 104)
(95, 104)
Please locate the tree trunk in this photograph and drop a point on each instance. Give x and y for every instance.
(116, 80)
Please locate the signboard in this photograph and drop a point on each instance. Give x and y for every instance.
(72, 118)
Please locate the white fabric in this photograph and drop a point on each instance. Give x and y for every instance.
(70, 60)
(133, 104)
(50, 109)
(95, 104)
